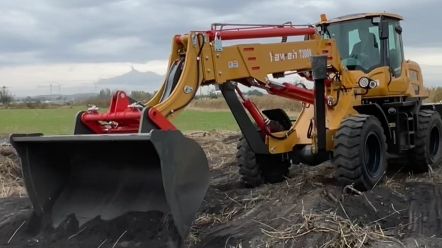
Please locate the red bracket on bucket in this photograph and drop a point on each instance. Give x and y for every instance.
(158, 119)
(119, 102)
(123, 117)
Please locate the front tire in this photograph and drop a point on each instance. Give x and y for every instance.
(428, 145)
(258, 169)
(360, 152)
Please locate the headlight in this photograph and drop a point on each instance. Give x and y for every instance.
(364, 82)
(367, 83)
(373, 84)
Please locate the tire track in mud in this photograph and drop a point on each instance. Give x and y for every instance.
(12, 207)
(425, 209)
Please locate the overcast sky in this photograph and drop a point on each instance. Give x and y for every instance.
(75, 42)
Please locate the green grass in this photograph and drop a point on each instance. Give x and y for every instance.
(61, 121)
(205, 121)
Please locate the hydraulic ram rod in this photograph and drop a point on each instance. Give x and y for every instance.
(254, 33)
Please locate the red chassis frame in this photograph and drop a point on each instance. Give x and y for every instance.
(122, 117)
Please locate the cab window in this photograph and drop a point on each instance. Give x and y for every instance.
(358, 43)
(396, 54)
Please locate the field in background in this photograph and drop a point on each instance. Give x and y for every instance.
(202, 115)
(61, 121)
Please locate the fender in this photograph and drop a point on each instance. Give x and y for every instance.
(376, 110)
(280, 116)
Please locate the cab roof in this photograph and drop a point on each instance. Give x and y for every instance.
(363, 15)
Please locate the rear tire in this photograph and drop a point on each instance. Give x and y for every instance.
(427, 151)
(360, 152)
(257, 169)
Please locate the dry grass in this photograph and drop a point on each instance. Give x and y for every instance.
(341, 231)
(344, 233)
(271, 102)
(218, 145)
(11, 183)
(262, 102)
(397, 181)
(435, 94)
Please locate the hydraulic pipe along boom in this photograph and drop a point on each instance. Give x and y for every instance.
(254, 33)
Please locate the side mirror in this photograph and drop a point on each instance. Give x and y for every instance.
(383, 30)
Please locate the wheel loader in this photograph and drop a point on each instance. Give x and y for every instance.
(365, 110)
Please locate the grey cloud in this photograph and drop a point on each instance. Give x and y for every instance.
(81, 3)
(13, 43)
(222, 7)
(61, 26)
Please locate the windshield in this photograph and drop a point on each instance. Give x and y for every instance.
(358, 43)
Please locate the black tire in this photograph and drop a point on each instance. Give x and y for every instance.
(428, 142)
(258, 169)
(358, 138)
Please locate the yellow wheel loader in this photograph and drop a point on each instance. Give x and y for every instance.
(365, 109)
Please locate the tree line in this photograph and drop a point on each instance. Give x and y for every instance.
(6, 96)
(102, 99)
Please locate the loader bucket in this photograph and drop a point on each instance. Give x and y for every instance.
(110, 175)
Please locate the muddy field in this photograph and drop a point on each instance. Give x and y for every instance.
(308, 210)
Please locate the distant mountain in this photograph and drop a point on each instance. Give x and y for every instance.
(130, 81)
(134, 80)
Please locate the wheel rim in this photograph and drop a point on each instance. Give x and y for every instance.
(434, 141)
(372, 154)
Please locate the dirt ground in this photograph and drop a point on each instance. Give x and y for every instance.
(308, 210)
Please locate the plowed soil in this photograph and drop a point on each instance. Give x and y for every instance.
(307, 210)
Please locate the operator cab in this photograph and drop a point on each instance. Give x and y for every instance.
(367, 41)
